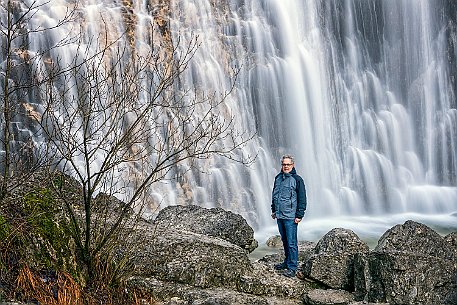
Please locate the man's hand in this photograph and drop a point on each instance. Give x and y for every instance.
(297, 220)
(273, 215)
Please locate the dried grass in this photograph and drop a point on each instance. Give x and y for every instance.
(60, 291)
(63, 290)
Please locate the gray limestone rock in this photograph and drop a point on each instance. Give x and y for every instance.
(191, 258)
(328, 297)
(264, 280)
(406, 278)
(412, 264)
(341, 240)
(333, 261)
(451, 242)
(212, 222)
(274, 242)
(170, 293)
(416, 238)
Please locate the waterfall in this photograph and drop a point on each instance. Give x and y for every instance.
(362, 92)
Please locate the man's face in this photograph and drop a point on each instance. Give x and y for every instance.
(287, 165)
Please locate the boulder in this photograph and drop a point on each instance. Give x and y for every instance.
(406, 278)
(416, 238)
(333, 259)
(214, 222)
(184, 267)
(341, 240)
(451, 240)
(190, 258)
(412, 264)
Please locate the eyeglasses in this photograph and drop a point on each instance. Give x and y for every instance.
(287, 164)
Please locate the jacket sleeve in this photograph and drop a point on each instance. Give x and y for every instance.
(301, 198)
(273, 207)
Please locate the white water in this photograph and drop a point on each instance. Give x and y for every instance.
(360, 92)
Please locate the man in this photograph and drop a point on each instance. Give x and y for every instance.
(288, 208)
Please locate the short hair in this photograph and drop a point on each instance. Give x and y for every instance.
(288, 157)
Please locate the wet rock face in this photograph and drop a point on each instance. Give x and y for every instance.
(214, 222)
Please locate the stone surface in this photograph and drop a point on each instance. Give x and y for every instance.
(406, 278)
(451, 241)
(340, 240)
(264, 280)
(191, 258)
(184, 267)
(274, 241)
(333, 270)
(332, 263)
(170, 293)
(361, 276)
(214, 222)
(416, 238)
(305, 250)
(412, 264)
(328, 297)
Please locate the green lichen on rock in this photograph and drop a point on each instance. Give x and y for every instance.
(35, 230)
(49, 230)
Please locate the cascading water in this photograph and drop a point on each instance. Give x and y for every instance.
(361, 92)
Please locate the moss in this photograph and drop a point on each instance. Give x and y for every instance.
(50, 230)
(5, 231)
(5, 228)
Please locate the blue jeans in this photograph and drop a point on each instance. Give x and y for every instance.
(288, 230)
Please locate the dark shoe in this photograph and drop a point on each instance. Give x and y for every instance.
(281, 266)
(300, 275)
(289, 273)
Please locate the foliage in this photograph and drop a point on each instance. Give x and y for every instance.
(39, 261)
(5, 229)
(45, 218)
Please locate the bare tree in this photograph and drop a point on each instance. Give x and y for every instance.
(115, 118)
(19, 79)
(119, 121)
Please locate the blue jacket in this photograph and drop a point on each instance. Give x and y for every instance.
(288, 196)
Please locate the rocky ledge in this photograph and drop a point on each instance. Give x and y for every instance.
(193, 255)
